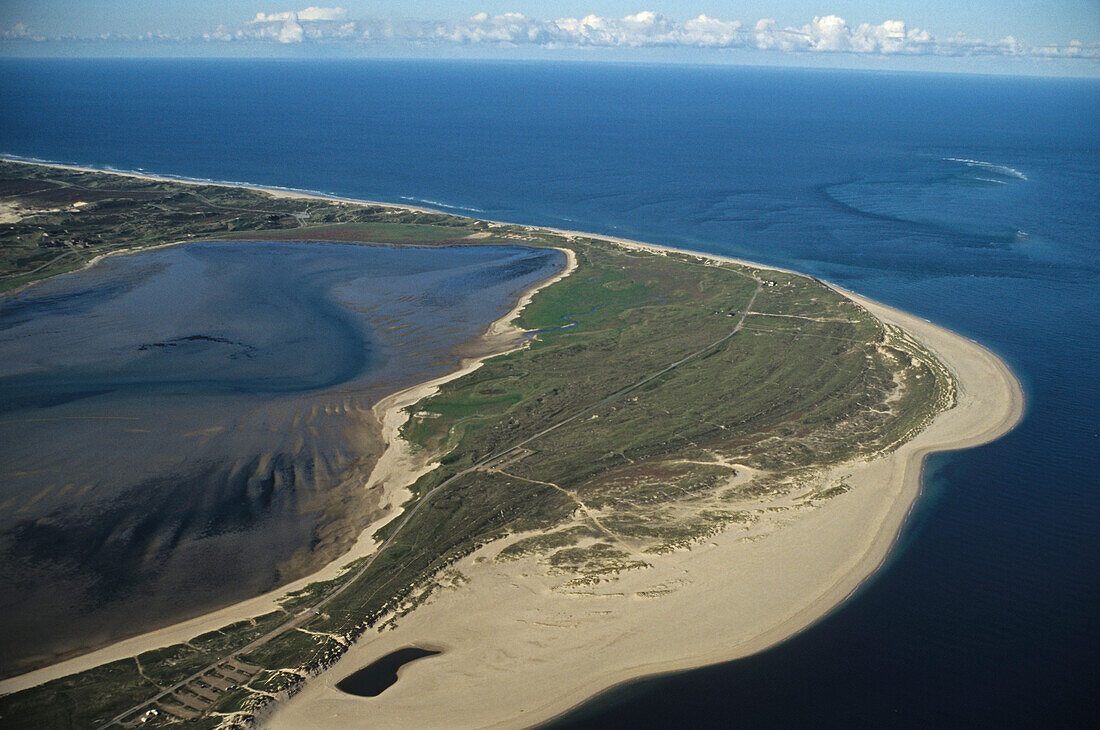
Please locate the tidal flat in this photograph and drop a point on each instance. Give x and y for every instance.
(181, 429)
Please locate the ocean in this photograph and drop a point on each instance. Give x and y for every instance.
(972, 201)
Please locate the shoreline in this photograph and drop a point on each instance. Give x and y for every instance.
(301, 194)
(982, 380)
(806, 571)
(278, 192)
(912, 482)
(396, 464)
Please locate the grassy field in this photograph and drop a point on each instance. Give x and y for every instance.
(66, 218)
(662, 399)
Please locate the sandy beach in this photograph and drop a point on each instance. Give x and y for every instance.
(518, 651)
(273, 191)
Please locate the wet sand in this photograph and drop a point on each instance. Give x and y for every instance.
(167, 458)
(397, 468)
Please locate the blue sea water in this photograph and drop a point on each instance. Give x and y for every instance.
(971, 201)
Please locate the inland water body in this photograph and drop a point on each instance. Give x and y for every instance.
(175, 426)
(971, 201)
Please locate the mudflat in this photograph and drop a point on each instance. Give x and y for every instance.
(161, 412)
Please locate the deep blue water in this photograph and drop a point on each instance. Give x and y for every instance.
(972, 201)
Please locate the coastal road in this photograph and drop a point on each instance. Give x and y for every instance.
(313, 610)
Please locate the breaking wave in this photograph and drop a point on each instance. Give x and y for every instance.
(1002, 170)
(437, 204)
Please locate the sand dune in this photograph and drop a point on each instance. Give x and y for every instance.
(518, 651)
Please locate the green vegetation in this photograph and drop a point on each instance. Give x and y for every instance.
(547, 542)
(235, 635)
(81, 700)
(666, 399)
(164, 667)
(274, 681)
(290, 649)
(589, 565)
(90, 698)
(834, 491)
(66, 218)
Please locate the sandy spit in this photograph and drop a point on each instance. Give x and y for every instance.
(518, 650)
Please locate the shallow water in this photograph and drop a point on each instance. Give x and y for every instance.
(173, 423)
(972, 201)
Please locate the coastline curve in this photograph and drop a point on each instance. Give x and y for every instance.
(808, 570)
(755, 596)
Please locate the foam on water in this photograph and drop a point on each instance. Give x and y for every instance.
(439, 204)
(990, 167)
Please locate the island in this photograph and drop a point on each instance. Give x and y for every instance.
(656, 460)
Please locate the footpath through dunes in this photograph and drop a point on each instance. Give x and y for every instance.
(714, 449)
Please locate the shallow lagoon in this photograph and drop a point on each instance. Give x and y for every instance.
(175, 426)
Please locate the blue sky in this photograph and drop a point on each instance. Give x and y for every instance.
(1006, 36)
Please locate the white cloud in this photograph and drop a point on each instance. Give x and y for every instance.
(707, 31)
(829, 33)
(315, 13)
(291, 32)
(310, 13)
(291, 26)
(765, 38)
(508, 28)
(274, 17)
(221, 33)
(822, 34)
(645, 28)
(18, 31)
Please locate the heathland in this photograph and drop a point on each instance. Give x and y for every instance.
(645, 412)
